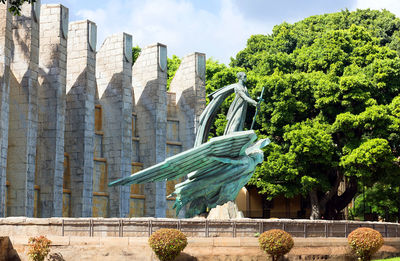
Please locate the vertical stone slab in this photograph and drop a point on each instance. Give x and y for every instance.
(174, 146)
(79, 117)
(5, 54)
(149, 77)
(189, 87)
(51, 109)
(114, 86)
(188, 90)
(23, 111)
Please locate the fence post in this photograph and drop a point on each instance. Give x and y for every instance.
(305, 230)
(346, 229)
(120, 233)
(326, 230)
(261, 227)
(62, 227)
(150, 224)
(207, 228)
(386, 230)
(91, 228)
(234, 229)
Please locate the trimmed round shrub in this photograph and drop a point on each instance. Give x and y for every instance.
(167, 243)
(38, 248)
(276, 243)
(365, 242)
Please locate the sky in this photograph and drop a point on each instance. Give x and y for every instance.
(218, 28)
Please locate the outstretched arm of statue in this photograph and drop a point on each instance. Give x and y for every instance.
(245, 97)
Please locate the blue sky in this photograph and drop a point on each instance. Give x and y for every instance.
(218, 28)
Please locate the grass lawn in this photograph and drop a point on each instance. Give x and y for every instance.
(390, 259)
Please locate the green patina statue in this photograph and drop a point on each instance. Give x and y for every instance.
(236, 113)
(216, 169)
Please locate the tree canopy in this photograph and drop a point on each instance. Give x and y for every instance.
(332, 109)
(332, 105)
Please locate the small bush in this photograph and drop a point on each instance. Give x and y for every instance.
(167, 243)
(276, 243)
(39, 248)
(365, 242)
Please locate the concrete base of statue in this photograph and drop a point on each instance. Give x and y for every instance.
(227, 211)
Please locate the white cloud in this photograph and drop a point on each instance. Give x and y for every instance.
(390, 5)
(178, 24)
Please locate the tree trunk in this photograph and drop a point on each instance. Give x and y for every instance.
(315, 210)
(336, 204)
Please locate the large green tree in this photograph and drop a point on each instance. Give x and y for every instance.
(331, 106)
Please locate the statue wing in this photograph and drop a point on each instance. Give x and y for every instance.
(207, 116)
(198, 159)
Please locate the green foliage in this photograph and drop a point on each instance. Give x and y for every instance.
(365, 242)
(172, 65)
(15, 5)
(135, 53)
(167, 243)
(39, 248)
(276, 243)
(331, 104)
(380, 199)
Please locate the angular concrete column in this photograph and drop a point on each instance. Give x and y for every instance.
(5, 54)
(23, 111)
(79, 118)
(149, 77)
(189, 86)
(186, 103)
(51, 109)
(114, 85)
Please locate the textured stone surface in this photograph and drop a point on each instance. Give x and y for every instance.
(23, 113)
(228, 210)
(48, 97)
(189, 87)
(79, 118)
(51, 109)
(186, 101)
(149, 84)
(114, 91)
(7, 251)
(5, 54)
(243, 249)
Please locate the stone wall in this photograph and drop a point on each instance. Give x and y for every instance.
(139, 227)
(79, 118)
(23, 117)
(149, 79)
(189, 87)
(73, 119)
(5, 54)
(114, 90)
(51, 109)
(243, 249)
(185, 103)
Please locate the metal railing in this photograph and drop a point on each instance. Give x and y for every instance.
(211, 228)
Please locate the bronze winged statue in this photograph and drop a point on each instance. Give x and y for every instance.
(217, 169)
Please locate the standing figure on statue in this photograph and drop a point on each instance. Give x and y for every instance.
(237, 111)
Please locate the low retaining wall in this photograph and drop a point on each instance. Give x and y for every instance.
(141, 227)
(200, 249)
